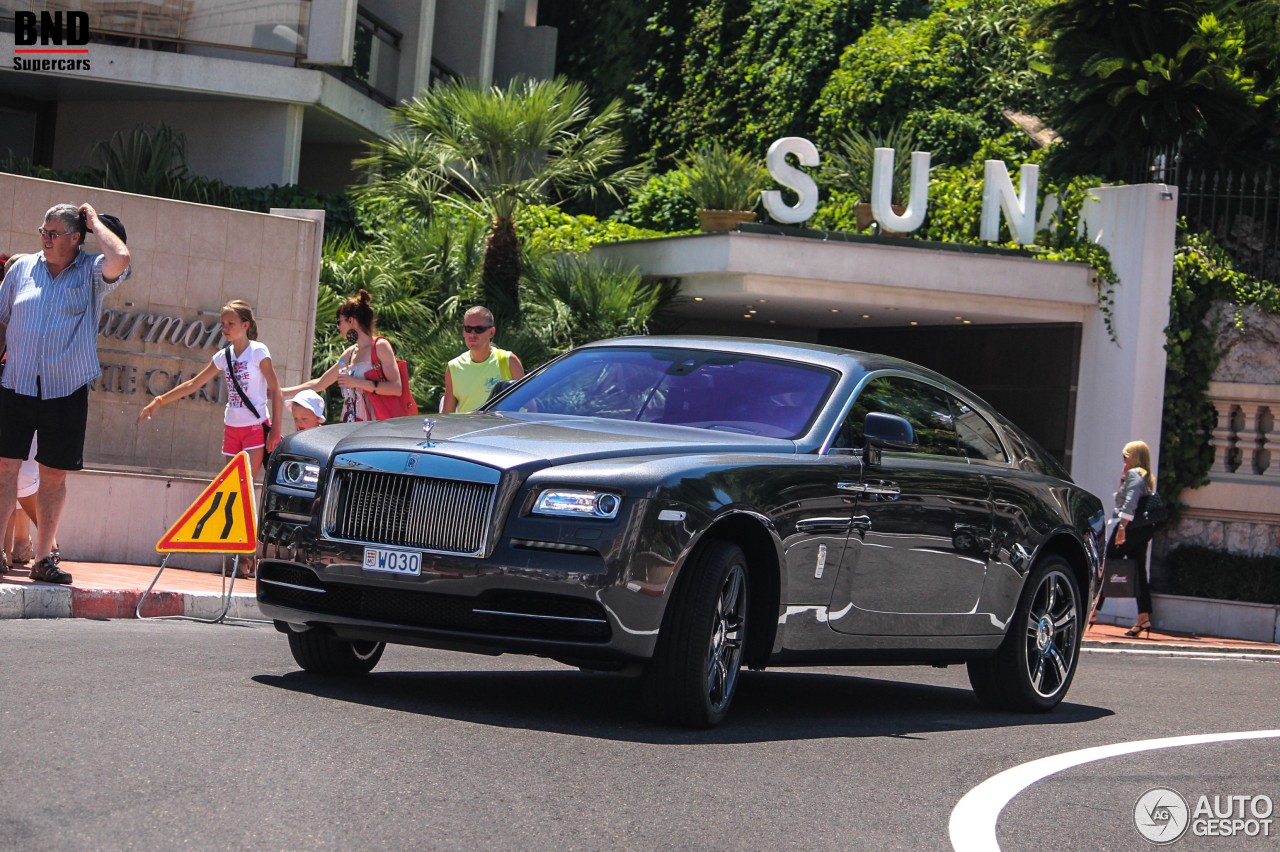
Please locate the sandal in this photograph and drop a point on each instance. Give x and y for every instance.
(1137, 630)
(22, 557)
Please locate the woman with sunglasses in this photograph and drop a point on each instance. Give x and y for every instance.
(469, 378)
(357, 370)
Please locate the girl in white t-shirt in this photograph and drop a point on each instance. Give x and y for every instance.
(247, 424)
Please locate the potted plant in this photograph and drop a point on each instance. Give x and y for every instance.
(850, 168)
(725, 185)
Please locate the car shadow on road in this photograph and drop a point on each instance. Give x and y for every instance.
(769, 706)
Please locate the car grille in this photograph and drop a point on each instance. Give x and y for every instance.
(414, 512)
(514, 614)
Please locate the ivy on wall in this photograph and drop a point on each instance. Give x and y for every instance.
(1202, 274)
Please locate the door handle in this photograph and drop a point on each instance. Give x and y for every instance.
(818, 525)
(879, 487)
(882, 487)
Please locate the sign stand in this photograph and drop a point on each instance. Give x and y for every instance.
(223, 519)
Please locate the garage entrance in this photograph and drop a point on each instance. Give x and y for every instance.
(1028, 372)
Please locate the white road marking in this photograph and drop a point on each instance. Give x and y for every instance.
(973, 820)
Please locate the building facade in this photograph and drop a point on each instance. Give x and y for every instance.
(265, 91)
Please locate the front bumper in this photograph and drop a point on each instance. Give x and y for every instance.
(487, 608)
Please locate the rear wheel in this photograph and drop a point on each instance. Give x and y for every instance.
(694, 672)
(320, 653)
(1034, 666)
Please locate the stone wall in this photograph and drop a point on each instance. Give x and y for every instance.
(161, 326)
(158, 328)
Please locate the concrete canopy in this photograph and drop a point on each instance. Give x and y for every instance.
(832, 283)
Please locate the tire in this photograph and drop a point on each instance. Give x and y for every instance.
(693, 675)
(320, 653)
(1035, 664)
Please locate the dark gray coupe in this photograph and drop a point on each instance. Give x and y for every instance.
(680, 507)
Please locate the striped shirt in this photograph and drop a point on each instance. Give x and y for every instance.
(53, 324)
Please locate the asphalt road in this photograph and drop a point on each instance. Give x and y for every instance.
(127, 734)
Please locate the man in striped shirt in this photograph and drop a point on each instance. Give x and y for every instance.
(49, 308)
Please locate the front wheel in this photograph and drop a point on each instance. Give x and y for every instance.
(320, 653)
(694, 671)
(1034, 666)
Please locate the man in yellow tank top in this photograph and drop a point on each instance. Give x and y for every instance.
(470, 377)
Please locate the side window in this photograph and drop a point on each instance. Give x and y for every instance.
(977, 439)
(926, 408)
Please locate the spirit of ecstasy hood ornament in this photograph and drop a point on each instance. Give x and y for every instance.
(427, 425)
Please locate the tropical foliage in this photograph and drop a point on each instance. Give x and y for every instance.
(1137, 75)
(491, 152)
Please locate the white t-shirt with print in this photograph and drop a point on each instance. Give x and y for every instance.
(249, 374)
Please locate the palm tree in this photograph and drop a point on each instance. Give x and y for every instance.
(1136, 75)
(491, 151)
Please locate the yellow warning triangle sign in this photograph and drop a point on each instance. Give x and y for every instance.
(223, 519)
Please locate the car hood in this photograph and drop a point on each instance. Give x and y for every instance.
(511, 439)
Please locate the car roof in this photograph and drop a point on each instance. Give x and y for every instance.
(817, 354)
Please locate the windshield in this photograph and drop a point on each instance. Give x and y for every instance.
(708, 390)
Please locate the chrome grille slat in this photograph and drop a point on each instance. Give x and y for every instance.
(409, 511)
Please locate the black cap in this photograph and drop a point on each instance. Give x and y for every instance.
(114, 225)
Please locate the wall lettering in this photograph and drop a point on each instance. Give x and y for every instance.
(998, 194)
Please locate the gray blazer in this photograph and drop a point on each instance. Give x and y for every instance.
(1131, 491)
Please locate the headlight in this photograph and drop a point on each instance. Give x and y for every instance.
(578, 504)
(298, 474)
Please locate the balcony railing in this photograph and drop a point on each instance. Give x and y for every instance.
(276, 30)
(275, 27)
(1246, 441)
(1244, 482)
(376, 66)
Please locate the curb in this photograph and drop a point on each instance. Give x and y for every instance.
(1155, 647)
(21, 601)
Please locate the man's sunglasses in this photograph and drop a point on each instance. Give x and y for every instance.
(476, 329)
(52, 235)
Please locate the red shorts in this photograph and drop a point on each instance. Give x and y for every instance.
(237, 438)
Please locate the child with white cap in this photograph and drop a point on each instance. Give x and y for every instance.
(307, 408)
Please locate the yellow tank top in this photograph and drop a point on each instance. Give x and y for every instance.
(473, 380)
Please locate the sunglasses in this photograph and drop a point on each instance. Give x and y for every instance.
(476, 329)
(52, 235)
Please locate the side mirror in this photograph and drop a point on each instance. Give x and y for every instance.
(889, 432)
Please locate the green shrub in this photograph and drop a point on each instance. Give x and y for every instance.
(545, 229)
(662, 204)
(1202, 572)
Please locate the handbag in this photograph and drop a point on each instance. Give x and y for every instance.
(1118, 578)
(1150, 512)
(385, 407)
(231, 375)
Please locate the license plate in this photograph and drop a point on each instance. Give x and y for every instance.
(405, 562)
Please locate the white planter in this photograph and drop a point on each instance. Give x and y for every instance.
(1201, 616)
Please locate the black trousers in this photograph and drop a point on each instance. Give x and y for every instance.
(1135, 548)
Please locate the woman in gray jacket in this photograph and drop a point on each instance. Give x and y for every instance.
(1135, 482)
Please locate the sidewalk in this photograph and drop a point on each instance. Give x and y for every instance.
(108, 590)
